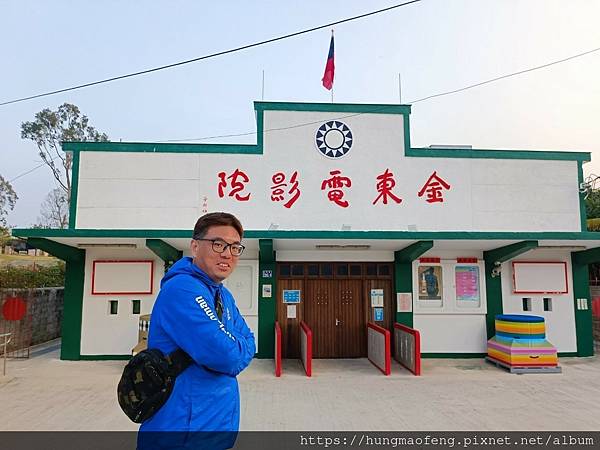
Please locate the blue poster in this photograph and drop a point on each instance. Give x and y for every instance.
(378, 314)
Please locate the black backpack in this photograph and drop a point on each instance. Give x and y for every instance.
(148, 380)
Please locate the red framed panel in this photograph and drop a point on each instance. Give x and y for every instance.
(308, 365)
(277, 349)
(466, 260)
(417, 349)
(429, 260)
(387, 350)
(563, 263)
(118, 261)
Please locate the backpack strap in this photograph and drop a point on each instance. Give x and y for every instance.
(178, 361)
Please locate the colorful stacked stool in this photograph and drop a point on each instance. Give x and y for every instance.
(520, 345)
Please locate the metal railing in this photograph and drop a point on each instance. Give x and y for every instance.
(7, 338)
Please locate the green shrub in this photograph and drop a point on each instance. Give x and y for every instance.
(27, 277)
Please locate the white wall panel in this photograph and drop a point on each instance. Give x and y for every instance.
(136, 190)
(451, 333)
(560, 322)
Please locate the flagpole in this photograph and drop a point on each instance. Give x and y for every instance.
(400, 87)
(332, 85)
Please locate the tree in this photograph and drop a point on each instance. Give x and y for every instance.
(8, 198)
(592, 205)
(49, 129)
(54, 212)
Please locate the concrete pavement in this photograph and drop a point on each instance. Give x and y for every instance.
(45, 393)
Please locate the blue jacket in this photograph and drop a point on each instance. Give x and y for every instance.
(206, 395)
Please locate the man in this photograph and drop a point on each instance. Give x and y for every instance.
(196, 313)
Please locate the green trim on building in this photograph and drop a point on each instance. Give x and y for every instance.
(73, 301)
(74, 189)
(454, 355)
(583, 317)
(493, 296)
(156, 147)
(315, 234)
(403, 274)
(567, 354)
(363, 108)
(105, 357)
(266, 305)
(493, 284)
(427, 152)
(164, 251)
(582, 211)
(503, 254)
(589, 256)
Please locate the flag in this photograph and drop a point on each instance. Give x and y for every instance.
(329, 68)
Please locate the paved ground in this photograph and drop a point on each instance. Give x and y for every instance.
(45, 393)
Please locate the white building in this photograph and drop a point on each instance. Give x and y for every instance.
(345, 224)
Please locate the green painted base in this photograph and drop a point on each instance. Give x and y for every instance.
(453, 355)
(105, 357)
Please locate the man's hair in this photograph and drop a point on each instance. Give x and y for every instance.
(216, 219)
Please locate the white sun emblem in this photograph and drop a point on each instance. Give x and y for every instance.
(334, 139)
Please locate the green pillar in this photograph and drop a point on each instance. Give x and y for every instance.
(581, 290)
(266, 305)
(164, 251)
(73, 302)
(493, 280)
(403, 260)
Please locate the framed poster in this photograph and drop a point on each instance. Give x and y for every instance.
(467, 285)
(430, 283)
(291, 296)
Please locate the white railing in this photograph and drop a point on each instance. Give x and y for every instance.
(7, 338)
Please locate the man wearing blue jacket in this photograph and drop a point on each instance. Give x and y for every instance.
(196, 313)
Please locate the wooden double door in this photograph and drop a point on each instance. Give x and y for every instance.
(336, 310)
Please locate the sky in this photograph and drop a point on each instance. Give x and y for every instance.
(436, 46)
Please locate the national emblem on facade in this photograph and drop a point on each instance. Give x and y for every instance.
(334, 139)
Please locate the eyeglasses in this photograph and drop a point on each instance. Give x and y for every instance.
(220, 246)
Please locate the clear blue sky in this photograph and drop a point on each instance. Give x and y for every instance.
(437, 45)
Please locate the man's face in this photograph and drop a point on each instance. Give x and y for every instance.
(217, 266)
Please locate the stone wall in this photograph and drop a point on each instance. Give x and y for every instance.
(42, 321)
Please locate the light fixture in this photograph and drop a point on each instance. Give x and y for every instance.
(564, 247)
(107, 245)
(346, 227)
(273, 226)
(342, 247)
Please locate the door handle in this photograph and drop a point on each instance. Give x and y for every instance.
(337, 322)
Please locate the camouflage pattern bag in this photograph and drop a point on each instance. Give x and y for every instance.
(148, 380)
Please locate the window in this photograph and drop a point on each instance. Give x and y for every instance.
(326, 270)
(297, 270)
(284, 270)
(342, 270)
(113, 307)
(136, 306)
(547, 304)
(355, 270)
(383, 270)
(526, 304)
(371, 270)
(313, 270)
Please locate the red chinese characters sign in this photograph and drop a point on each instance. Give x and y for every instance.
(279, 186)
(287, 189)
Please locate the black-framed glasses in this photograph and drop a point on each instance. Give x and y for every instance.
(219, 246)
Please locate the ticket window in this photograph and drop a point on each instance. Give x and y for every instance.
(449, 286)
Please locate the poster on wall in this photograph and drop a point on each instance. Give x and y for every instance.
(430, 282)
(377, 298)
(404, 302)
(291, 311)
(291, 296)
(467, 283)
(378, 312)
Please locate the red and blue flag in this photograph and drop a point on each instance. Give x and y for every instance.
(329, 68)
